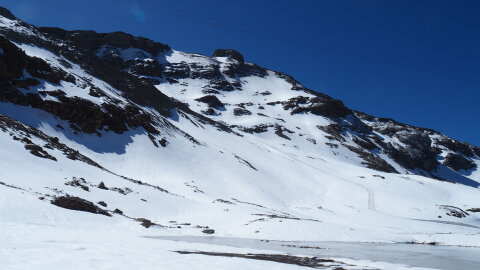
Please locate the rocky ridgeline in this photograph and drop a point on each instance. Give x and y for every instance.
(83, 114)
(80, 47)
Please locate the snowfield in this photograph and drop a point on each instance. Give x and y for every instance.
(269, 177)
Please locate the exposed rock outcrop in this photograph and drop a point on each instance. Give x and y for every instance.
(211, 100)
(78, 204)
(229, 53)
(458, 162)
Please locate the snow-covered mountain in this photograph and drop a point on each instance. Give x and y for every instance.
(132, 132)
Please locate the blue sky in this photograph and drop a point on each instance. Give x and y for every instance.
(413, 61)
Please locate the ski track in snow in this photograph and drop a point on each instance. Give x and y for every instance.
(370, 193)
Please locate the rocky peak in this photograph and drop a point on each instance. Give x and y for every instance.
(124, 41)
(233, 54)
(93, 40)
(7, 14)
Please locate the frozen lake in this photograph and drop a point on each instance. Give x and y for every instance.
(415, 255)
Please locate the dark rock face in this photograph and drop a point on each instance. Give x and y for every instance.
(220, 84)
(456, 146)
(14, 61)
(195, 71)
(38, 151)
(243, 70)
(372, 161)
(411, 158)
(149, 68)
(11, 67)
(417, 154)
(476, 151)
(458, 162)
(330, 108)
(419, 151)
(218, 81)
(211, 100)
(143, 64)
(241, 111)
(85, 114)
(93, 40)
(335, 132)
(229, 53)
(205, 71)
(364, 143)
(81, 47)
(125, 41)
(88, 116)
(25, 83)
(78, 204)
(295, 104)
(327, 107)
(225, 80)
(176, 70)
(279, 132)
(420, 141)
(7, 14)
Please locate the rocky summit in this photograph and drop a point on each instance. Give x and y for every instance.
(126, 134)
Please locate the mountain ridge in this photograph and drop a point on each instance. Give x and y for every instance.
(135, 79)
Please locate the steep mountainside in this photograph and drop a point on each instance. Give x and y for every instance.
(183, 143)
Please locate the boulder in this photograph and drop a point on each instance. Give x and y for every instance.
(78, 204)
(208, 231)
(102, 186)
(211, 100)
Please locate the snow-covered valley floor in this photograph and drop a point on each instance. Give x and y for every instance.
(36, 246)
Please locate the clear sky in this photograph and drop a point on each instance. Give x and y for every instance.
(414, 61)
